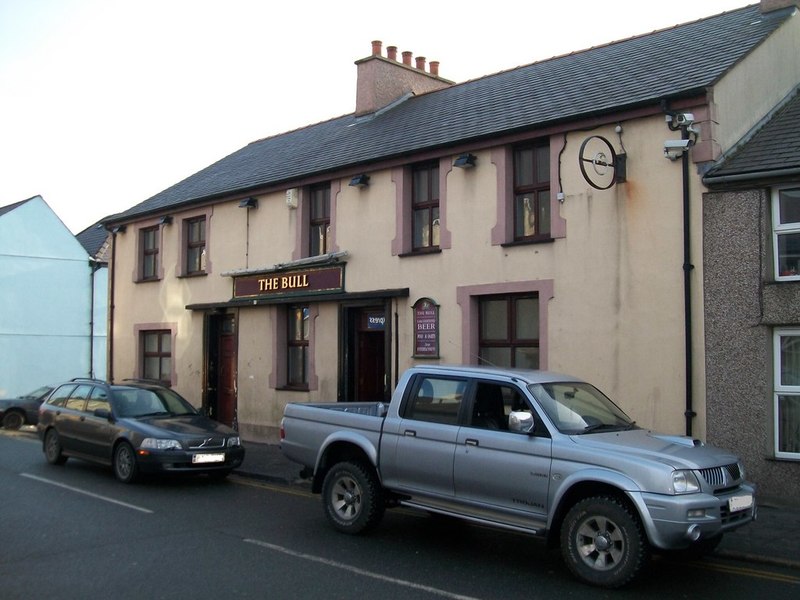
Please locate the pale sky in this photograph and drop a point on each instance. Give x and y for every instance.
(104, 103)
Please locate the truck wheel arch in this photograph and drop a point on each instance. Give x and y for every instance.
(340, 450)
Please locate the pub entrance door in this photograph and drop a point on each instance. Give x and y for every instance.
(221, 369)
(365, 356)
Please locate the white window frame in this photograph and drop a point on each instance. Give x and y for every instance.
(782, 389)
(779, 229)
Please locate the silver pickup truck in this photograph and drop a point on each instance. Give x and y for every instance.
(530, 451)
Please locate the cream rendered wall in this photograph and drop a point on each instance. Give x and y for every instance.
(758, 83)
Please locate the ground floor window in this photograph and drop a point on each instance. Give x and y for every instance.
(509, 331)
(297, 346)
(787, 393)
(156, 361)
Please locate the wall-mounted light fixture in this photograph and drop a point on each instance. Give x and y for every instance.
(165, 220)
(118, 229)
(465, 161)
(360, 181)
(248, 203)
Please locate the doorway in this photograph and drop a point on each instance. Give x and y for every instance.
(221, 369)
(365, 354)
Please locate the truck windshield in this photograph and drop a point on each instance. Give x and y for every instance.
(577, 408)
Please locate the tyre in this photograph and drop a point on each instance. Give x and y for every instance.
(602, 542)
(13, 420)
(124, 463)
(52, 448)
(352, 497)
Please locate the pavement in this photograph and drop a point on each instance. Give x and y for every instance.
(773, 538)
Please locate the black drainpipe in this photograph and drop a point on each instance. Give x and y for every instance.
(687, 286)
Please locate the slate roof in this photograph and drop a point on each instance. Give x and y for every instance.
(669, 63)
(93, 238)
(773, 148)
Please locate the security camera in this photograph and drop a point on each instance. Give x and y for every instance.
(684, 119)
(674, 149)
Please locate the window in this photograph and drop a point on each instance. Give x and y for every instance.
(787, 393)
(77, 399)
(509, 331)
(436, 400)
(320, 219)
(195, 246)
(98, 400)
(157, 355)
(786, 232)
(149, 253)
(425, 206)
(298, 329)
(532, 193)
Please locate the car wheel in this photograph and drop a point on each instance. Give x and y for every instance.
(124, 463)
(52, 448)
(602, 542)
(13, 420)
(352, 497)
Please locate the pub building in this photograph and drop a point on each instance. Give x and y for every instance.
(548, 216)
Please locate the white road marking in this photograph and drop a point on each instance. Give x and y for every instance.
(357, 571)
(85, 493)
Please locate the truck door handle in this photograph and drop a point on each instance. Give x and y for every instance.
(410, 433)
(471, 442)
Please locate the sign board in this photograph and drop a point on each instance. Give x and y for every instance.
(426, 328)
(290, 283)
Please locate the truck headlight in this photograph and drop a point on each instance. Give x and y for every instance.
(684, 481)
(160, 444)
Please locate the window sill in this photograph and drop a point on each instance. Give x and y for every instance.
(190, 275)
(541, 240)
(149, 280)
(294, 388)
(422, 252)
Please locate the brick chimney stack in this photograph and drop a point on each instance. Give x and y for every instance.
(382, 80)
(768, 6)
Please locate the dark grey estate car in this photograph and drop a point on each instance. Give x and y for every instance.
(135, 427)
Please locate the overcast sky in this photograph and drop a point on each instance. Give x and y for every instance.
(104, 103)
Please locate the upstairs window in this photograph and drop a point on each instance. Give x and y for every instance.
(425, 206)
(195, 246)
(319, 219)
(148, 258)
(786, 233)
(532, 193)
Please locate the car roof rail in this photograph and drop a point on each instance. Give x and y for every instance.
(144, 380)
(87, 379)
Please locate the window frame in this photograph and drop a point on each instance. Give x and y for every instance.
(784, 390)
(322, 221)
(511, 341)
(160, 354)
(200, 246)
(146, 252)
(539, 188)
(783, 229)
(430, 204)
(303, 343)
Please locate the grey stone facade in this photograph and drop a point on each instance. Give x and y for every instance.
(743, 305)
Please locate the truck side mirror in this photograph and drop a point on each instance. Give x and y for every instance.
(520, 421)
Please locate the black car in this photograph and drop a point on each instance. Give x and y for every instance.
(16, 412)
(135, 427)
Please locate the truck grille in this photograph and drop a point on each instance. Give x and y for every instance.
(718, 477)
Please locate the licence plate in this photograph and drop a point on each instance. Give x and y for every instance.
(211, 458)
(740, 502)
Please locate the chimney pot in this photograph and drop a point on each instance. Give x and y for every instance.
(421, 63)
(376, 47)
(434, 66)
(407, 57)
(391, 52)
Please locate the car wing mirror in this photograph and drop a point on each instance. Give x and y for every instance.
(521, 421)
(103, 413)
